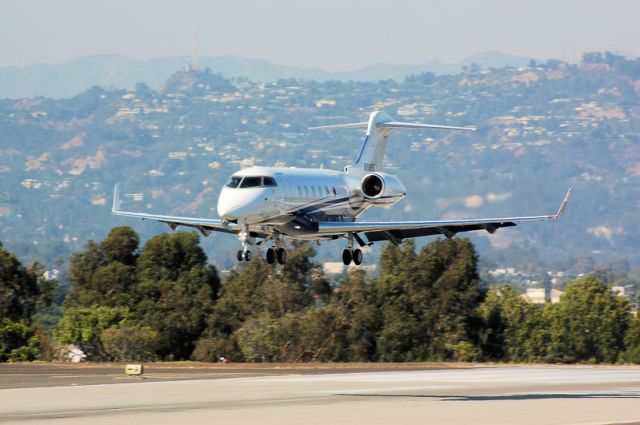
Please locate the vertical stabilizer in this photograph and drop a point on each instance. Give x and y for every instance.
(374, 145)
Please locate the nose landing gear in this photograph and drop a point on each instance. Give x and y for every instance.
(244, 255)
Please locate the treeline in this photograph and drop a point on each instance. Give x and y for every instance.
(164, 301)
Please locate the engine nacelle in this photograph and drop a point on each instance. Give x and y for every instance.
(382, 188)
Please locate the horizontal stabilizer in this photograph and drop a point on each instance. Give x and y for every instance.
(400, 124)
(341, 126)
(392, 124)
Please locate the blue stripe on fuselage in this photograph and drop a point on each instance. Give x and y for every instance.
(364, 145)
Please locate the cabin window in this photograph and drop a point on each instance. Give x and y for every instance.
(313, 191)
(319, 191)
(335, 192)
(300, 191)
(326, 190)
(306, 191)
(234, 182)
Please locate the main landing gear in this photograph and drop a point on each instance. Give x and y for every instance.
(349, 255)
(278, 254)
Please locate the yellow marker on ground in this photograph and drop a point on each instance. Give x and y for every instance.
(134, 369)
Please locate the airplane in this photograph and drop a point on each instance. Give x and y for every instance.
(266, 205)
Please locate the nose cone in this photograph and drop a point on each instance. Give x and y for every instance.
(240, 204)
(226, 207)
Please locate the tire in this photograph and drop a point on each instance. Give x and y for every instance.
(240, 255)
(281, 253)
(271, 256)
(247, 256)
(357, 257)
(346, 257)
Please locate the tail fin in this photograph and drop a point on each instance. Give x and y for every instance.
(374, 146)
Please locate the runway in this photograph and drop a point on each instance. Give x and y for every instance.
(478, 395)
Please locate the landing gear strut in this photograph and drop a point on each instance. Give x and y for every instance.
(245, 254)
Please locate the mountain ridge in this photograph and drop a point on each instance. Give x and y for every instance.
(113, 70)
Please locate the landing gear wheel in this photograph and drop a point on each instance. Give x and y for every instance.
(240, 255)
(271, 256)
(282, 255)
(346, 257)
(357, 257)
(247, 256)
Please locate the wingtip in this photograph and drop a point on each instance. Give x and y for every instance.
(116, 198)
(564, 203)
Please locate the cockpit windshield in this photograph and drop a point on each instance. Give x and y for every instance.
(250, 181)
(234, 182)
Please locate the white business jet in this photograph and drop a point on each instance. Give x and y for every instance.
(265, 205)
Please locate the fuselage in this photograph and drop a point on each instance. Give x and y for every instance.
(288, 199)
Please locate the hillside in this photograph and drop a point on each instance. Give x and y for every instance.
(542, 129)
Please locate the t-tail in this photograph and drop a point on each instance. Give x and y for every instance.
(374, 145)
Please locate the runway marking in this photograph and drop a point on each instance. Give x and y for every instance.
(155, 408)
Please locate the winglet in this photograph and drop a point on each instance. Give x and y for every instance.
(116, 198)
(563, 205)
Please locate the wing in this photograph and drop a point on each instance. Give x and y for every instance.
(398, 230)
(204, 225)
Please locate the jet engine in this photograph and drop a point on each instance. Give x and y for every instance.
(382, 188)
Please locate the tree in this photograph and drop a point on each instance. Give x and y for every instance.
(632, 342)
(104, 273)
(255, 290)
(18, 341)
(176, 291)
(240, 298)
(449, 268)
(19, 291)
(588, 323)
(428, 301)
(130, 342)
(269, 339)
(83, 327)
(513, 329)
(401, 337)
(355, 305)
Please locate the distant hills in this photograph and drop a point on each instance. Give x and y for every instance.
(542, 128)
(70, 78)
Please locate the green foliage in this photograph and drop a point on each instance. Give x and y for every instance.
(104, 273)
(83, 327)
(19, 290)
(257, 289)
(176, 291)
(588, 323)
(632, 342)
(513, 329)
(130, 342)
(168, 287)
(428, 301)
(271, 339)
(358, 314)
(18, 342)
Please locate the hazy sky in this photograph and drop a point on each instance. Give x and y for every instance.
(330, 34)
